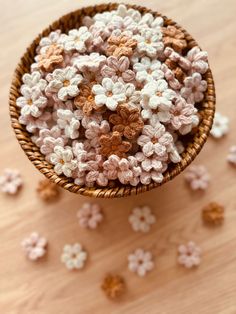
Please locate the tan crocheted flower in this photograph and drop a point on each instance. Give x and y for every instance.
(174, 37)
(113, 144)
(127, 121)
(51, 57)
(47, 190)
(121, 45)
(213, 213)
(177, 71)
(113, 286)
(85, 100)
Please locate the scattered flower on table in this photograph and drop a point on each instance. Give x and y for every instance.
(197, 177)
(10, 181)
(141, 219)
(213, 213)
(189, 255)
(34, 246)
(73, 256)
(90, 215)
(113, 286)
(220, 125)
(232, 155)
(47, 190)
(140, 262)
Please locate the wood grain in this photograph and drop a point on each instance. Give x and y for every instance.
(47, 287)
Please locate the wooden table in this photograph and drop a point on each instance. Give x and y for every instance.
(47, 287)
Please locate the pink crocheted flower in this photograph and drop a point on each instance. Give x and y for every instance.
(95, 172)
(34, 246)
(197, 177)
(140, 262)
(10, 181)
(118, 67)
(90, 215)
(189, 255)
(95, 130)
(34, 124)
(198, 59)
(194, 88)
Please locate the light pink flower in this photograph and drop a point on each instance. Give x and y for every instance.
(174, 56)
(198, 59)
(197, 177)
(90, 215)
(34, 246)
(140, 262)
(33, 124)
(95, 130)
(189, 255)
(10, 181)
(141, 219)
(118, 67)
(232, 155)
(95, 172)
(194, 88)
(170, 77)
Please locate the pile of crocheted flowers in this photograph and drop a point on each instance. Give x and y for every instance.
(113, 99)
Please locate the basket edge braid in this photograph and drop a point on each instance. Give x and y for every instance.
(66, 22)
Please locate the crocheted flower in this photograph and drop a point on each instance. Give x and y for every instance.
(109, 93)
(141, 219)
(149, 42)
(52, 39)
(194, 88)
(86, 100)
(113, 144)
(51, 57)
(174, 37)
(220, 125)
(213, 214)
(232, 155)
(127, 121)
(65, 83)
(69, 122)
(148, 70)
(189, 255)
(34, 124)
(77, 39)
(63, 160)
(95, 172)
(34, 80)
(73, 256)
(32, 102)
(197, 177)
(10, 181)
(183, 116)
(121, 45)
(91, 62)
(47, 190)
(198, 59)
(95, 130)
(118, 67)
(90, 215)
(113, 286)
(140, 262)
(34, 246)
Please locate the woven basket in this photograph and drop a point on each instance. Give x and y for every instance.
(193, 143)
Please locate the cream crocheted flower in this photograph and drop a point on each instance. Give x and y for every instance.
(63, 160)
(52, 39)
(10, 181)
(197, 177)
(148, 70)
(189, 255)
(140, 262)
(69, 122)
(90, 215)
(141, 219)
(34, 80)
(73, 256)
(91, 62)
(64, 82)
(77, 39)
(194, 88)
(149, 42)
(220, 125)
(34, 246)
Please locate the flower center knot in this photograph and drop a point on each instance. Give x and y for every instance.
(66, 83)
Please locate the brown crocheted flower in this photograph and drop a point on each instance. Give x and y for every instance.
(127, 121)
(174, 37)
(47, 190)
(113, 286)
(121, 45)
(113, 144)
(178, 72)
(51, 57)
(85, 100)
(213, 213)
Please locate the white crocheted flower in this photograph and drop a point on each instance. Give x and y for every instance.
(124, 12)
(194, 88)
(232, 155)
(141, 219)
(73, 256)
(220, 125)
(189, 255)
(95, 130)
(91, 62)
(65, 83)
(69, 122)
(34, 124)
(32, 102)
(64, 161)
(10, 181)
(34, 80)
(148, 70)
(90, 215)
(140, 262)
(109, 93)
(34, 246)
(148, 20)
(52, 38)
(149, 42)
(77, 39)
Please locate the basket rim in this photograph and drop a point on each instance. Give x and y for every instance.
(38, 159)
